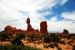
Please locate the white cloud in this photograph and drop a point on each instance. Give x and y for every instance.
(58, 26)
(63, 2)
(69, 15)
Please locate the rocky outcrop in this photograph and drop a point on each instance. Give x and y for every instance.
(13, 30)
(43, 27)
(30, 30)
(65, 31)
(8, 29)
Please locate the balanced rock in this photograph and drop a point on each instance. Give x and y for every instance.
(29, 27)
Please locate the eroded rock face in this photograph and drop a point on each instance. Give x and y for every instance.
(65, 31)
(43, 27)
(29, 27)
(8, 29)
(12, 30)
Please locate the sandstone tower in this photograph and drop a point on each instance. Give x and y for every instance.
(43, 27)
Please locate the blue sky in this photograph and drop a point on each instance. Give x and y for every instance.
(57, 10)
(59, 14)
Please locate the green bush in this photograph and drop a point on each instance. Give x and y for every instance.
(18, 38)
(4, 36)
(16, 47)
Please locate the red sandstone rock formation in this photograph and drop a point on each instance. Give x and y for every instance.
(13, 30)
(8, 29)
(29, 27)
(30, 30)
(65, 31)
(43, 27)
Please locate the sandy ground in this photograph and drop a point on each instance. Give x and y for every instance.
(64, 47)
(4, 42)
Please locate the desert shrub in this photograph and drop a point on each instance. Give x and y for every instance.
(51, 38)
(73, 47)
(51, 45)
(59, 48)
(4, 36)
(62, 42)
(33, 38)
(56, 45)
(47, 39)
(46, 46)
(16, 47)
(69, 42)
(17, 40)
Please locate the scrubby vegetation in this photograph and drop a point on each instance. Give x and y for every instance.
(4, 36)
(50, 40)
(17, 40)
(73, 47)
(16, 43)
(16, 47)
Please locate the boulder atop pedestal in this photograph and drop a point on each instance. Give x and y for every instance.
(28, 20)
(29, 27)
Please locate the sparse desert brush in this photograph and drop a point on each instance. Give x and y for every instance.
(59, 48)
(51, 38)
(73, 47)
(4, 36)
(16, 47)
